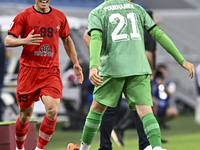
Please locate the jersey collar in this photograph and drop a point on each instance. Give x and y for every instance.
(41, 12)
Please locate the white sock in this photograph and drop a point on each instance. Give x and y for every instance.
(157, 148)
(84, 146)
(19, 149)
(148, 148)
(38, 148)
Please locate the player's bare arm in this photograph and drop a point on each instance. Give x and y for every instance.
(31, 39)
(150, 59)
(71, 52)
(87, 39)
(190, 67)
(94, 78)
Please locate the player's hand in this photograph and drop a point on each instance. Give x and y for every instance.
(152, 75)
(33, 39)
(190, 67)
(79, 73)
(94, 78)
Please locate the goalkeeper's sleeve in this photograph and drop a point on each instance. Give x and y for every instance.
(167, 44)
(95, 48)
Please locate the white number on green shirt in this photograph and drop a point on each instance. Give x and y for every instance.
(118, 35)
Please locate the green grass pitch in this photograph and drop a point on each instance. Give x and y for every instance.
(184, 134)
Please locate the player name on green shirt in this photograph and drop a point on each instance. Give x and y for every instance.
(118, 7)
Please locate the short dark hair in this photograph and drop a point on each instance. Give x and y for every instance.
(162, 66)
(158, 73)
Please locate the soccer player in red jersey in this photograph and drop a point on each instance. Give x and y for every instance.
(39, 28)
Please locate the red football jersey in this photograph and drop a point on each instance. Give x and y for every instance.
(51, 26)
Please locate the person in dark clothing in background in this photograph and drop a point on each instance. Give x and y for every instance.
(150, 46)
(162, 90)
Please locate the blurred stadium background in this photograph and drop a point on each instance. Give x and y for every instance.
(179, 19)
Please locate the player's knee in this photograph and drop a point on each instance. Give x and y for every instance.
(176, 113)
(52, 113)
(25, 117)
(173, 112)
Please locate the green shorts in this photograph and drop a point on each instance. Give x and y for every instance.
(137, 90)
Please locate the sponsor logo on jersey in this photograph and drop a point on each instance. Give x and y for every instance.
(45, 50)
(58, 27)
(35, 27)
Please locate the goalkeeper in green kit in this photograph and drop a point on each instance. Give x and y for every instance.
(117, 29)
